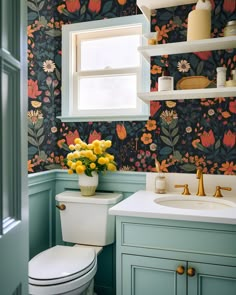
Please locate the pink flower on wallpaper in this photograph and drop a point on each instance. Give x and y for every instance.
(73, 5)
(229, 139)
(94, 136)
(33, 90)
(204, 55)
(229, 6)
(207, 138)
(94, 5)
(71, 136)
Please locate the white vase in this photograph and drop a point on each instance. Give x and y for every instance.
(88, 184)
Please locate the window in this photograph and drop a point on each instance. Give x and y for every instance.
(102, 70)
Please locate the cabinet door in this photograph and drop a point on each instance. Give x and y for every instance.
(151, 276)
(211, 279)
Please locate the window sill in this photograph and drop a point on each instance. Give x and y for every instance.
(142, 117)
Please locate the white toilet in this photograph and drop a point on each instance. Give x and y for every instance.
(70, 269)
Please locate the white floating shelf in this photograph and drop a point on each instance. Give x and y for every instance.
(188, 94)
(146, 6)
(188, 46)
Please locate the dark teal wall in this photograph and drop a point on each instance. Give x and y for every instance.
(180, 134)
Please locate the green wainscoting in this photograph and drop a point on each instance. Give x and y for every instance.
(44, 219)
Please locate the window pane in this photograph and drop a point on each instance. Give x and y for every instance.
(113, 52)
(108, 92)
(5, 145)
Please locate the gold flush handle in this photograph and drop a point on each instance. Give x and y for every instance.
(180, 270)
(186, 191)
(61, 207)
(218, 193)
(191, 272)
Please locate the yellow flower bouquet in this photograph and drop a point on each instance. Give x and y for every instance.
(88, 158)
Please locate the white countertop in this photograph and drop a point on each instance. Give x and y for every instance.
(142, 204)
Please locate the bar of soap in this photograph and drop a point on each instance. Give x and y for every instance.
(199, 24)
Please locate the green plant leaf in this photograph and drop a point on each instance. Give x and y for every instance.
(42, 155)
(53, 166)
(38, 124)
(174, 132)
(32, 6)
(165, 151)
(41, 4)
(65, 147)
(173, 123)
(177, 155)
(107, 7)
(176, 139)
(31, 132)
(166, 140)
(41, 139)
(32, 141)
(188, 167)
(32, 151)
(217, 145)
(40, 132)
(165, 131)
(53, 33)
(201, 147)
(200, 68)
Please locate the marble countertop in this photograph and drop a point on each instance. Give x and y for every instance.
(143, 204)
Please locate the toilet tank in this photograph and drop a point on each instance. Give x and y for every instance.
(85, 220)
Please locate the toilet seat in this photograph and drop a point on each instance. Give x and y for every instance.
(61, 268)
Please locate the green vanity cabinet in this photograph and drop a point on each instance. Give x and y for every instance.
(151, 276)
(168, 257)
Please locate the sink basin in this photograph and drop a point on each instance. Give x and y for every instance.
(195, 203)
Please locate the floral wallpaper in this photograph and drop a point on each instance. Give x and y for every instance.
(181, 135)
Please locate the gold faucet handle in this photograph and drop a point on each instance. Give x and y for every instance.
(218, 193)
(186, 191)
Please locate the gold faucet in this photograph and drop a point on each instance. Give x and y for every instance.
(199, 175)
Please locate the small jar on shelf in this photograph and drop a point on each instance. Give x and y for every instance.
(165, 82)
(221, 77)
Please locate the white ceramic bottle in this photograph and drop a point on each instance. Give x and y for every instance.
(160, 184)
(165, 82)
(221, 77)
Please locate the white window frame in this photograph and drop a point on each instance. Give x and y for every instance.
(72, 34)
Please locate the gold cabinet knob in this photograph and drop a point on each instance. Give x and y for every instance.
(61, 207)
(180, 270)
(191, 272)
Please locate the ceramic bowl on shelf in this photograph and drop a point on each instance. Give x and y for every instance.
(193, 82)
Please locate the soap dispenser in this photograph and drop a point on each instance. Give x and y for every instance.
(160, 180)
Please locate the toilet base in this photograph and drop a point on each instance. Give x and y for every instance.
(90, 290)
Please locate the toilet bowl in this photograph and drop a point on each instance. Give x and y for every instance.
(70, 270)
(62, 270)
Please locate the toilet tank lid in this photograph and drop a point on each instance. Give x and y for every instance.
(98, 198)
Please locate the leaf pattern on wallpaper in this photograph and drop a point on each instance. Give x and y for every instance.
(182, 135)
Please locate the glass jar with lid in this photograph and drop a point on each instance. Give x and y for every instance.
(230, 29)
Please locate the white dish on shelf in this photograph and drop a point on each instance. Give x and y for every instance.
(146, 6)
(188, 46)
(188, 94)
